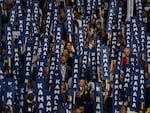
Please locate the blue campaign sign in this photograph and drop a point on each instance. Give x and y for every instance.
(119, 18)
(148, 49)
(142, 85)
(46, 42)
(39, 89)
(2, 1)
(21, 21)
(56, 89)
(55, 19)
(119, 60)
(28, 60)
(88, 7)
(12, 16)
(98, 50)
(113, 54)
(36, 44)
(94, 75)
(9, 40)
(51, 69)
(142, 33)
(9, 95)
(135, 30)
(139, 10)
(105, 63)
(128, 34)
(81, 41)
(111, 15)
(127, 79)
(36, 11)
(48, 102)
(1, 71)
(135, 90)
(84, 61)
(69, 21)
(98, 101)
(75, 72)
(22, 94)
(116, 90)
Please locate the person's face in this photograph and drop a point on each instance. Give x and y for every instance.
(63, 60)
(77, 111)
(69, 46)
(65, 53)
(127, 51)
(123, 110)
(82, 83)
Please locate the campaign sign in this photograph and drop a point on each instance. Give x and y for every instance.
(55, 19)
(70, 93)
(128, 34)
(94, 5)
(98, 101)
(28, 60)
(116, 90)
(84, 61)
(1, 71)
(79, 3)
(46, 42)
(132, 60)
(2, 1)
(135, 90)
(16, 70)
(119, 60)
(12, 16)
(135, 51)
(105, 63)
(28, 21)
(21, 21)
(39, 87)
(142, 85)
(111, 14)
(75, 72)
(113, 54)
(99, 3)
(36, 44)
(127, 79)
(36, 11)
(98, 50)
(48, 102)
(56, 89)
(69, 21)
(148, 49)
(135, 29)
(51, 69)
(94, 75)
(57, 42)
(119, 18)
(40, 108)
(9, 42)
(142, 34)
(19, 8)
(84, 25)
(34, 28)
(88, 7)
(22, 94)
(48, 20)
(80, 43)
(9, 95)
(139, 10)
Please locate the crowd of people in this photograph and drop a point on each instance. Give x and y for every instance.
(97, 26)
